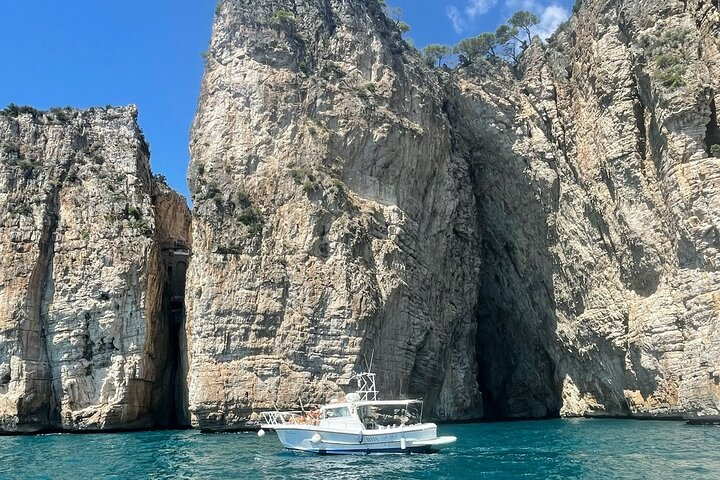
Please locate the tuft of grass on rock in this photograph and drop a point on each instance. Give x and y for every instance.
(301, 174)
(283, 17)
(672, 77)
(310, 186)
(715, 150)
(337, 183)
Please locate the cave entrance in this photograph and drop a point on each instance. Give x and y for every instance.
(175, 256)
(516, 374)
(516, 313)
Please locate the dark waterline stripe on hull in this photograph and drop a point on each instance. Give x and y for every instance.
(366, 451)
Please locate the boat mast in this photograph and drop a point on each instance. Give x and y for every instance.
(366, 386)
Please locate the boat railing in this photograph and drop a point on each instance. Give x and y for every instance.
(294, 417)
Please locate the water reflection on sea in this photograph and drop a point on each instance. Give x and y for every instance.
(614, 449)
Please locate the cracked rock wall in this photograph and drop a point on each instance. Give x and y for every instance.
(557, 225)
(82, 335)
(598, 192)
(524, 243)
(334, 221)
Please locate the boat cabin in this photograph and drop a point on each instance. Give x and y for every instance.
(372, 415)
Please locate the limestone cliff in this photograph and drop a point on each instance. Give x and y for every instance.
(334, 221)
(547, 235)
(83, 337)
(598, 191)
(523, 241)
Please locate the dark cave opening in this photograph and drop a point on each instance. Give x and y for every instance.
(491, 409)
(516, 307)
(175, 256)
(516, 376)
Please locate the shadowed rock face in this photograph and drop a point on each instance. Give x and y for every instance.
(598, 199)
(83, 338)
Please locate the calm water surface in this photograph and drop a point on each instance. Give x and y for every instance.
(614, 449)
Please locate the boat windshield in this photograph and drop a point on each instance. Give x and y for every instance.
(337, 412)
(386, 416)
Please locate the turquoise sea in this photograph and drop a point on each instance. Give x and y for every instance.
(613, 449)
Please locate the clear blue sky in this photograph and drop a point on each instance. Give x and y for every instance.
(85, 53)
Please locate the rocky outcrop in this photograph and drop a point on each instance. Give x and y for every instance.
(546, 235)
(598, 196)
(334, 221)
(525, 241)
(83, 336)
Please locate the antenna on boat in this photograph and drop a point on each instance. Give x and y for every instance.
(366, 389)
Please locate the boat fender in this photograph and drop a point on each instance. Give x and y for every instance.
(261, 433)
(403, 444)
(316, 438)
(361, 437)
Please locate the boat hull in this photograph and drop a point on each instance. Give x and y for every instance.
(308, 438)
(367, 451)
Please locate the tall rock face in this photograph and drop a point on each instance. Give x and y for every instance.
(334, 220)
(540, 241)
(501, 137)
(524, 241)
(83, 336)
(598, 184)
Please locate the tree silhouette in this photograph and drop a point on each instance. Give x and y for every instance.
(524, 20)
(469, 49)
(490, 43)
(395, 14)
(507, 36)
(436, 52)
(506, 33)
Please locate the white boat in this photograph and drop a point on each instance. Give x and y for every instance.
(361, 424)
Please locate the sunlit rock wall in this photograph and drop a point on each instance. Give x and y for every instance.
(83, 340)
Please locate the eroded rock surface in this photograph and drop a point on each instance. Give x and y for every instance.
(599, 199)
(83, 338)
(351, 200)
(522, 242)
(334, 221)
